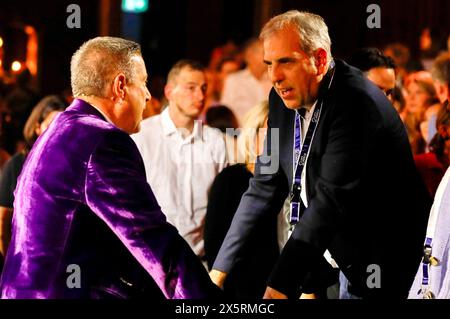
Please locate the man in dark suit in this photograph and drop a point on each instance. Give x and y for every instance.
(358, 195)
(86, 223)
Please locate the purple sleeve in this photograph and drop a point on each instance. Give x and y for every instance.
(117, 191)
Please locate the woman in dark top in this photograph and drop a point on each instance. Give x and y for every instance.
(254, 263)
(40, 118)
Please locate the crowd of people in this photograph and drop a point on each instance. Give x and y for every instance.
(282, 171)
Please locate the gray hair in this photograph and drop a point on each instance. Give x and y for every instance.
(311, 28)
(441, 68)
(95, 64)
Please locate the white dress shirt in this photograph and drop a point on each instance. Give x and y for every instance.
(242, 91)
(180, 171)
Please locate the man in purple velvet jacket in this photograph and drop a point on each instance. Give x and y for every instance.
(86, 223)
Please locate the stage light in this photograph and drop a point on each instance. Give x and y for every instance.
(134, 6)
(16, 66)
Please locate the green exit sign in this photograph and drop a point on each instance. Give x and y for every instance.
(134, 6)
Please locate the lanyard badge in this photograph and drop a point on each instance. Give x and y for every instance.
(427, 261)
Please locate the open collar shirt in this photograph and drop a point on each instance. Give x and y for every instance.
(180, 170)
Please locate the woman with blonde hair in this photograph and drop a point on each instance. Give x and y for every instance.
(253, 266)
(250, 142)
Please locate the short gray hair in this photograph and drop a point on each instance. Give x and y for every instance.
(95, 64)
(311, 28)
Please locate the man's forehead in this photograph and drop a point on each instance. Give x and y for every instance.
(139, 64)
(190, 75)
(281, 42)
(137, 58)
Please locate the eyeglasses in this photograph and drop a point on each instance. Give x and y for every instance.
(389, 92)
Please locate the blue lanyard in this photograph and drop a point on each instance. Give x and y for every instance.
(297, 137)
(301, 153)
(299, 160)
(426, 261)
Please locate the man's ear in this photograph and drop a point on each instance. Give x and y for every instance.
(118, 87)
(446, 91)
(168, 90)
(320, 57)
(37, 130)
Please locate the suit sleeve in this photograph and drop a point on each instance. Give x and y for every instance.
(341, 169)
(265, 195)
(117, 191)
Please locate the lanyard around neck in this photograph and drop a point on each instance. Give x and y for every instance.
(301, 153)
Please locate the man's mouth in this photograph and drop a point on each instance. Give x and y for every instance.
(285, 92)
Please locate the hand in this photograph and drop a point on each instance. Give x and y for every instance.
(273, 294)
(308, 296)
(5, 229)
(217, 277)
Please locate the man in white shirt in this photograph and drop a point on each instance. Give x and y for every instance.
(181, 156)
(246, 88)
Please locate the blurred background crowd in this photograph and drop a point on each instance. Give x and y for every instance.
(400, 58)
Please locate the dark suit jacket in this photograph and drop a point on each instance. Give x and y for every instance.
(367, 204)
(82, 200)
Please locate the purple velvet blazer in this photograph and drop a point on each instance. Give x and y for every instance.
(86, 223)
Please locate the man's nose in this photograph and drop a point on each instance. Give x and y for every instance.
(275, 74)
(199, 94)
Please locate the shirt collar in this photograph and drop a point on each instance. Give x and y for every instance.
(167, 123)
(169, 127)
(304, 111)
(103, 113)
